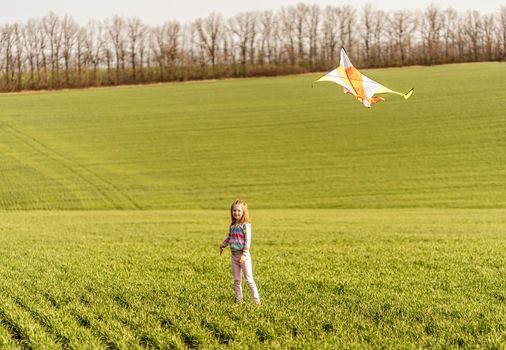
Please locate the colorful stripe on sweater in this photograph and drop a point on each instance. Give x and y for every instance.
(239, 238)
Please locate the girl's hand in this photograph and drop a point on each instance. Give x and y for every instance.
(221, 248)
(243, 259)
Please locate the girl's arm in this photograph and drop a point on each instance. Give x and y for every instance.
(225, 242)
(247, 239)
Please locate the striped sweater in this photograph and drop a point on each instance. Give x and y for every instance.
(239, 238)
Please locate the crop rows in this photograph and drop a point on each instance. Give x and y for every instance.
(328, 278)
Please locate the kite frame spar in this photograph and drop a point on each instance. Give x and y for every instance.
(358, 84)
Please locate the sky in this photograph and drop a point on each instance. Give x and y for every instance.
(154, 12)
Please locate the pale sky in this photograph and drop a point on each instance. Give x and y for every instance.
(155, 12)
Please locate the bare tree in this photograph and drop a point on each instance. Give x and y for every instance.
(380, 19)
(301, 12)
(432, 25)
(31, 45)
(347, 19)
(7, 40)
(288, 32)
(19, 34)
(135, 33)
(173, 35)
(108, 53)
(141, 48)
(367, 29)
(165, 45)
(227, 52)
(116, 35)
(450, 28)
(70, 30)
(401, 26)
(52, 31)
(313, 26)
(94, 44)
(461, 40)
(267, 37)
(81, 55)
(209, 32)
(42, 62)
(502, 24)
(158, 48)
(190, 47)
(330, 33)
(473, 27)
(252, 37)
(489, 28)
(243, 28)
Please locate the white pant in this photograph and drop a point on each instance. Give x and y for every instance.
(237, 269)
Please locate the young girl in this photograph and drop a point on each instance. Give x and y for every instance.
(239, 239)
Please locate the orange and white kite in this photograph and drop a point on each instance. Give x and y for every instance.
(357, 84)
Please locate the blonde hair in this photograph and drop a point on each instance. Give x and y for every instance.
(245, 213)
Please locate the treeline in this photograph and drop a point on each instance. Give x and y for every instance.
(55, 52)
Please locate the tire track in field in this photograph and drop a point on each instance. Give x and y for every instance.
(143, 338)
(85, 321)
(45, 150)
(22, 334)
(16, 134)
(45, 312)
(12, 328)
(99, 328)
(12, 200)
(45, 323)
(22, 300)
(30, 302)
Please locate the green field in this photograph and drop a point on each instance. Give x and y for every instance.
(274, 141)
(379, 228)
(400, 278)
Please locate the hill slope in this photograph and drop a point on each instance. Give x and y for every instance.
(273, 141)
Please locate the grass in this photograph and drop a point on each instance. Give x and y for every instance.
(394, 278)
(380, 228)
(274, 141)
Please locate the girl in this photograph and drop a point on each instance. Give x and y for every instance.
(239, 239)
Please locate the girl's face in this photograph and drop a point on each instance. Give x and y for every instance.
(237, 212)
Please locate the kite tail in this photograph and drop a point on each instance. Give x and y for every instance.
(408, 95)
(385, 90)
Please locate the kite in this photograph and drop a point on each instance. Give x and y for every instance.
(357, 84)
